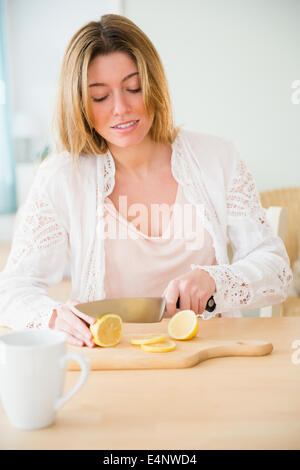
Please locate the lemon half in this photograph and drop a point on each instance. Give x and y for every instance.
(148, 340)
(107, 330)
(164, 346)
(183, 325)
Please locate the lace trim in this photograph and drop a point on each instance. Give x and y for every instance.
(109, 173)
(232, 289)
(90, 289)
(242, 198)
(207, 315)
(38, 229)
(94, 270)
(43, 315)
(89, 271)
(285, 278)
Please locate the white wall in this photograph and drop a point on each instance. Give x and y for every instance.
(230, 66)
(38, 33)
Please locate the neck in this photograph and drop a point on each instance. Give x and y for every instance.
(140, 160)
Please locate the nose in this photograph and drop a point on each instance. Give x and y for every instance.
(120, 105)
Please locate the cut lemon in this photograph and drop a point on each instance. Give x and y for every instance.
(107, 330)
(148, 340)
(164, 346)
(183, 325)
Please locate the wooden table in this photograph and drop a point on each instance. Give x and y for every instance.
(223, 403)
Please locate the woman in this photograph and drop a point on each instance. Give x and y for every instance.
(119, 154)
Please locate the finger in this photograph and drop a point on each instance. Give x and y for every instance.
(69, 321)
(77, 323)
(63, 326)
(74, 341)
(72, 305)
(172, 295)
(203, 303)
(200, 307)
(83, 316)
(167, 314)
(195, 303)
(73, 335)
(185, 301)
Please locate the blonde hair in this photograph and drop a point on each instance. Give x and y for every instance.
(73, 124)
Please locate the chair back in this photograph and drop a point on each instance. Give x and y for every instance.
(289, 198)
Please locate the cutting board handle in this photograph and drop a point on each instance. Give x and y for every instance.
(237, 348)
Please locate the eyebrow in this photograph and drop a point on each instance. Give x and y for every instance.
(123, 80)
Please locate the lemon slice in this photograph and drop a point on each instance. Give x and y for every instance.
(183, 325)
(164, 346)
(148, 340)
(107, 330)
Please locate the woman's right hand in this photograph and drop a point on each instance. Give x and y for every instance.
(74, 323)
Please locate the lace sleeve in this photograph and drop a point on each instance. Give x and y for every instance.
(36, 261)
(260, 271)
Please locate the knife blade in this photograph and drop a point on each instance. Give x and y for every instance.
(133, 309)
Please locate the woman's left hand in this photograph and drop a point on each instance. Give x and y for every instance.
(194, 289)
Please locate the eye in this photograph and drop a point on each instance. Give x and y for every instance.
(135, 91)
(99, 99)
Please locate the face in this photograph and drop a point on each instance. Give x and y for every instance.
(116, 99)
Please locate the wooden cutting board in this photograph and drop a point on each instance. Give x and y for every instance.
(186, 354)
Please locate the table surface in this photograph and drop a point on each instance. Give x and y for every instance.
(222, 403)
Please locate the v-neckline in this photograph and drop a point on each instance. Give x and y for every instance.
(130, 224)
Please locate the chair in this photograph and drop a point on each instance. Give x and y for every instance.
(288, 198)
(277, 217)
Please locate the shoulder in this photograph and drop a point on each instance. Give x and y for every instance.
(54, 164)
(203, 139)
(205, 144)
(58, 167)
(62, 182)
(213, 153)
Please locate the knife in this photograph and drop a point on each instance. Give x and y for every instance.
(136, 309)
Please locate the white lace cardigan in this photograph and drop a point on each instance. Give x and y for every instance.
(64, 213)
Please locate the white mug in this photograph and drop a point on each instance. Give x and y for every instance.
(32, 372)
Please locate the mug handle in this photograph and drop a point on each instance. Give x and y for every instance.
(85, 369)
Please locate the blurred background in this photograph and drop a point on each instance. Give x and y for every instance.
(233, 69)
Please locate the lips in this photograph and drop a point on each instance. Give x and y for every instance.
(126, 122)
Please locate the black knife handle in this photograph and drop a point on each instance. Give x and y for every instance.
(210, 306)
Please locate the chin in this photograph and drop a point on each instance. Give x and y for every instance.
(127, 140)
